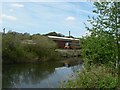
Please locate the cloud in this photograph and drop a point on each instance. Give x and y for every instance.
(70, 18)
(7, 17)
(11, 10)
(46, 0)
(18, 5)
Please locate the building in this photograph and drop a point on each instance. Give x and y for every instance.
(61, 42)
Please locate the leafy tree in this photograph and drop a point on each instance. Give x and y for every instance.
(54, 34)
(100, 49)
(102, 45)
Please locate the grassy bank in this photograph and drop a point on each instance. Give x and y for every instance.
(100, 64)
(96, 77)
(24, 48)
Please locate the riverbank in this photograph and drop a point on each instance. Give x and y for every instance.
(69, 52)
(25, 48)
(96, 77)
(64, 57)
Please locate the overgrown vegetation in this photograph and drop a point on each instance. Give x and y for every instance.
(97, 77)
(19, 48)
(100, 50)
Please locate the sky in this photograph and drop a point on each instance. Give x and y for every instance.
(45, 17)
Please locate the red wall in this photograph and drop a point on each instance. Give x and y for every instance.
(60, 43)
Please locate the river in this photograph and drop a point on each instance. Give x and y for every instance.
(41, 75)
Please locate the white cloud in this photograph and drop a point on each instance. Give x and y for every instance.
(70, 18)
(46, 0)
(11, 10)
(7, 17)
(18, 5)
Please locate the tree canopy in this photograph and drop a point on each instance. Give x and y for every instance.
(101, 47)
(54, 34)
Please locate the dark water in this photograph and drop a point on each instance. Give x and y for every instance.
(42, 75)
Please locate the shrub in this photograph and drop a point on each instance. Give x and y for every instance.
(15, 50)
(99, 49)
(100, 77)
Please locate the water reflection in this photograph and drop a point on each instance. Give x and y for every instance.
(42, 75)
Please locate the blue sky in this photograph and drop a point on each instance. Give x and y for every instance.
(44, 17)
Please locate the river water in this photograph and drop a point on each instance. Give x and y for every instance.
(42, 75)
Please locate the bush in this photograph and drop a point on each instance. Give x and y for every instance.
(99, 49)
(100, 77)
(44, 47)
(16, 50)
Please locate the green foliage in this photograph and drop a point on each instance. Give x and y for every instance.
(17, 48)
(54, 34)
(99, 49)
(97, 77)
(13, 50)
(105, 19)
(44, 47)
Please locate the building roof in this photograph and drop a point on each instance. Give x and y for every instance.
(62, 38)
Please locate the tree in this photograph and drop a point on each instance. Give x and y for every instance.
(104, 33)
(54, 34)
(100, 48)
